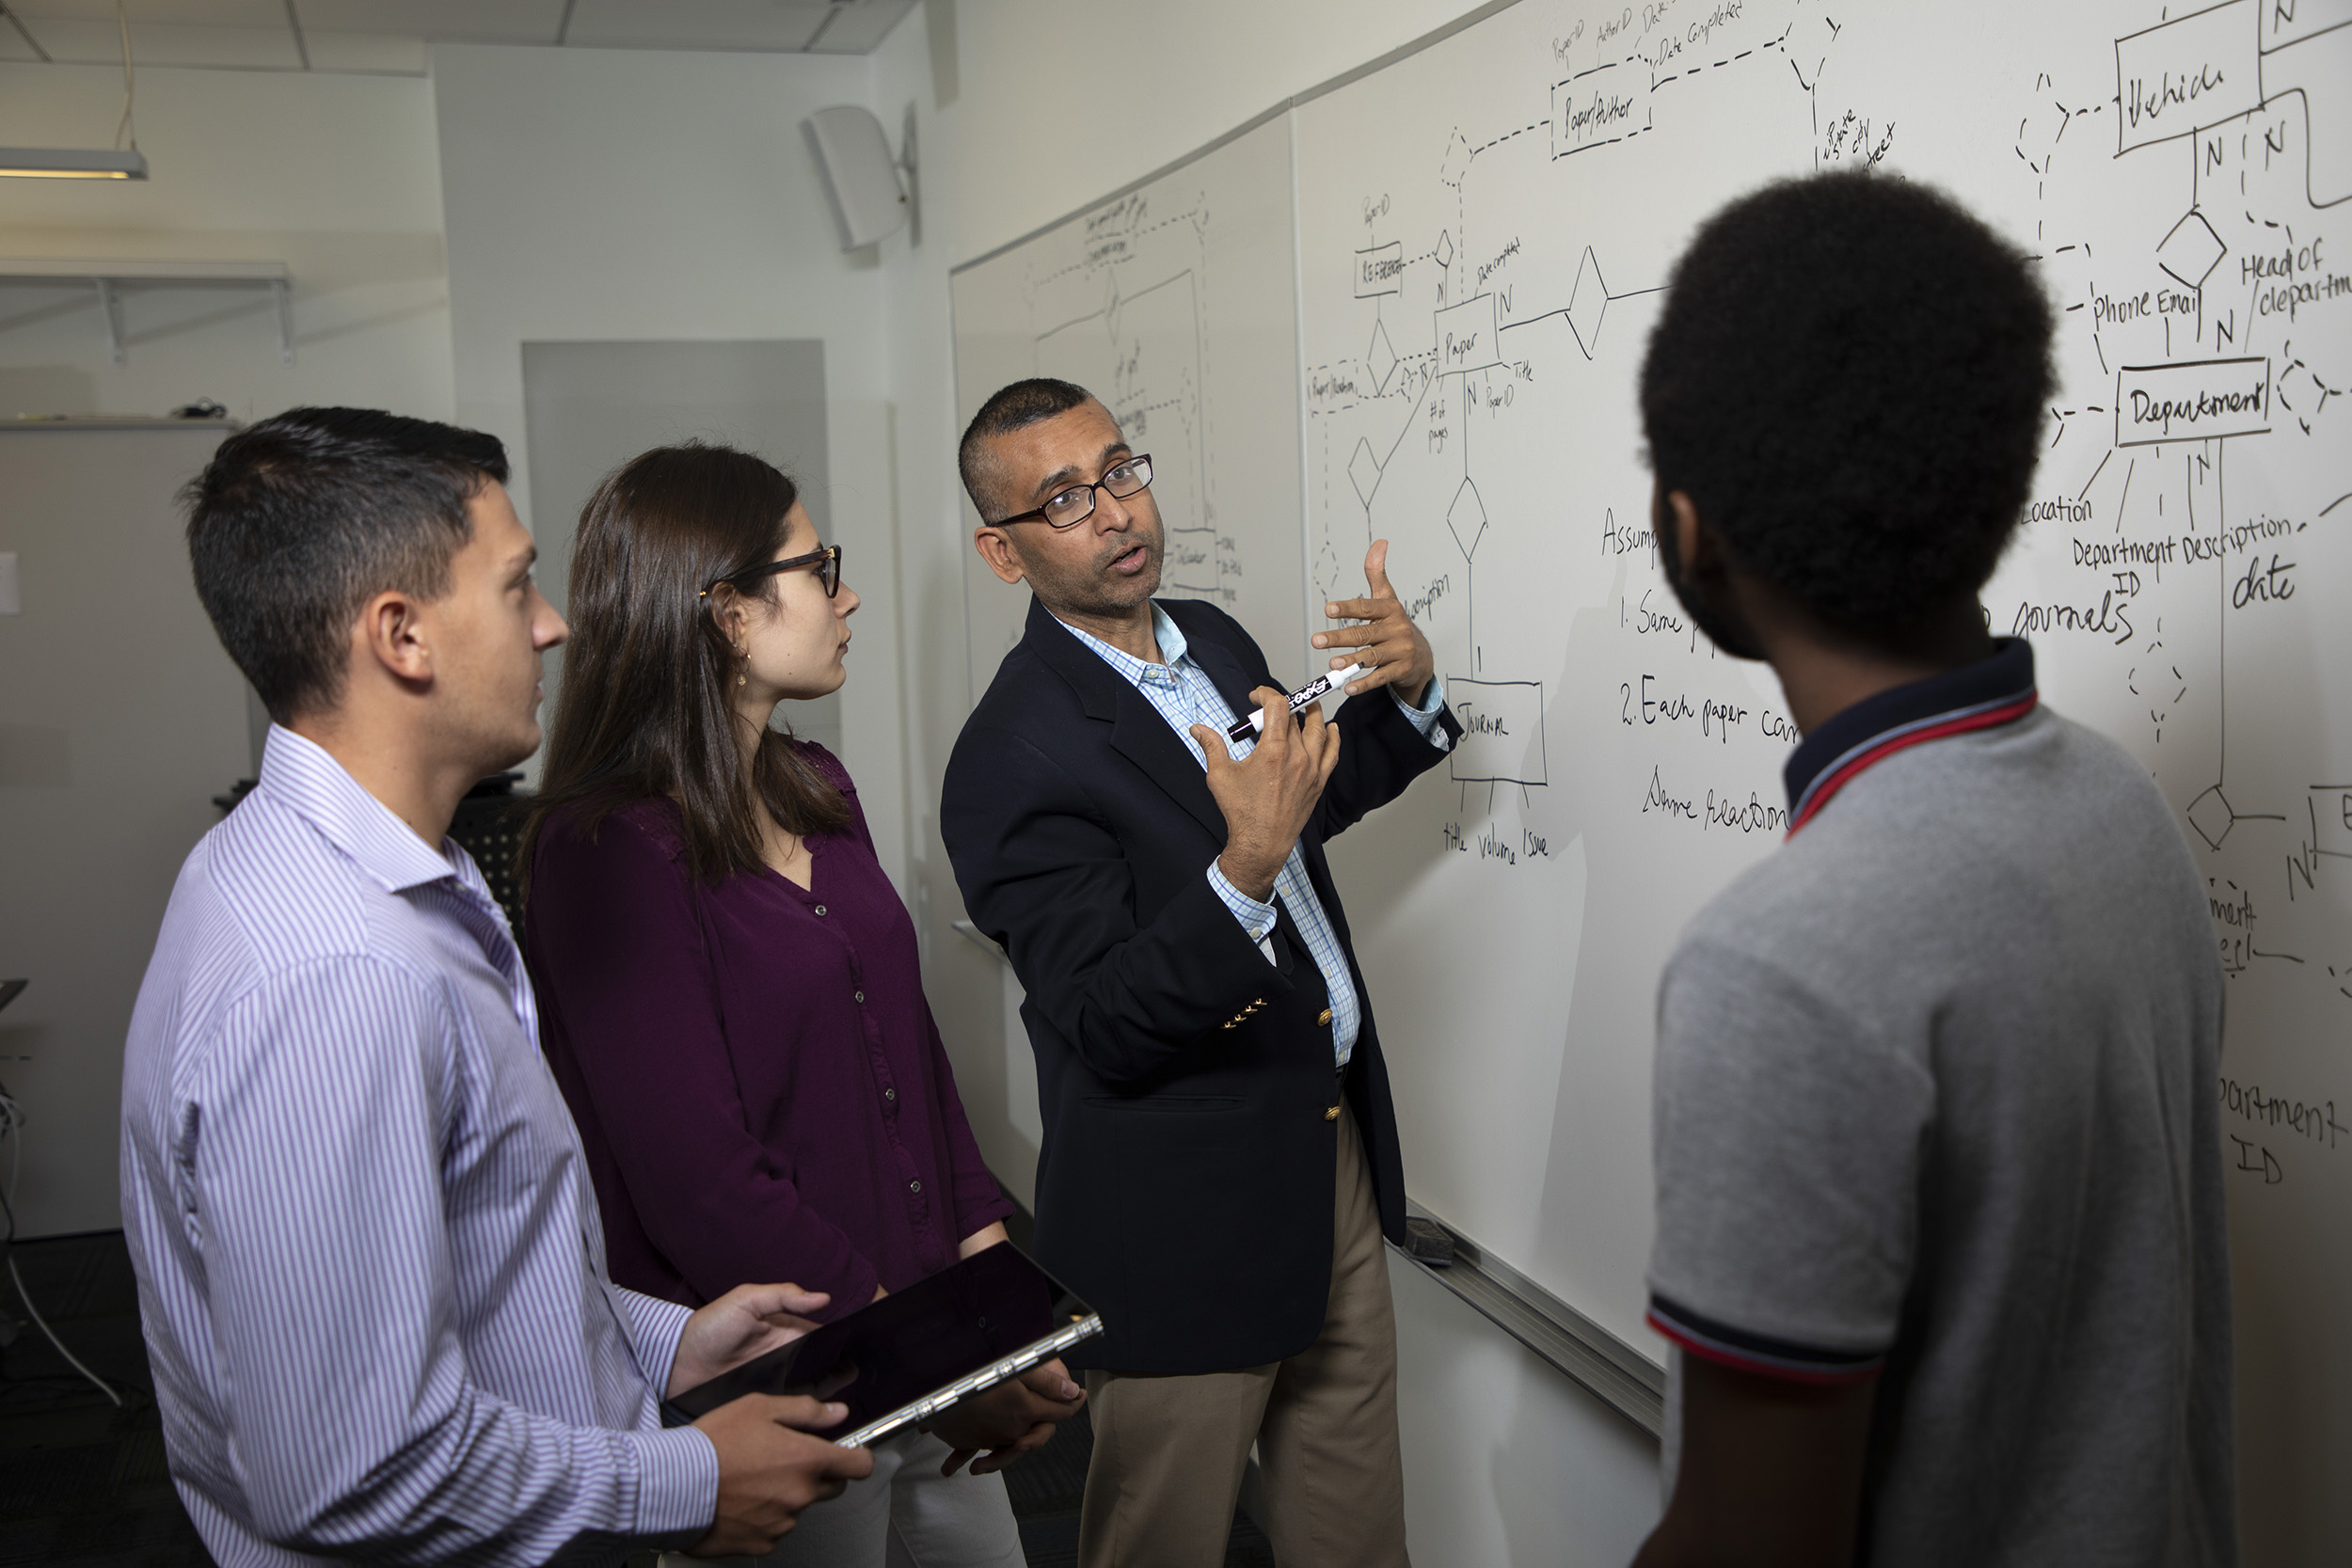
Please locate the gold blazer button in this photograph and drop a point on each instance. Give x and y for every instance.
(1325, 1021)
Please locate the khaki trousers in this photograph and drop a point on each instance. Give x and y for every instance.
(1170, 1451)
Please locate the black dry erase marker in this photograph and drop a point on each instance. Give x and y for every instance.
(1320, 687)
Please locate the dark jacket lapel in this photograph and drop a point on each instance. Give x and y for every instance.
(1138, 731)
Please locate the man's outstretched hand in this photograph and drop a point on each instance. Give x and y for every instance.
(1268, 796)
(1387, 640)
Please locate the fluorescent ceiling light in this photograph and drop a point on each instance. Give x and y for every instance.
(65, 163)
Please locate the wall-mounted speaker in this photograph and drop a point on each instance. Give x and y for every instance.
(859, 170)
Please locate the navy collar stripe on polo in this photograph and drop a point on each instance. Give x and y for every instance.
(1992, 691)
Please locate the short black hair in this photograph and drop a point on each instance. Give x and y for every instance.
(1849, 380)
(1011, 408)
(302, 518)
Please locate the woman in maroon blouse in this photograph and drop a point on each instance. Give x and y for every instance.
(728, 986)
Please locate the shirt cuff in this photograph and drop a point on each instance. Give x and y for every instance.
(1424, 718)
(1730, 1346)
(678, 1483)
(654, 1327)
(1257, 919)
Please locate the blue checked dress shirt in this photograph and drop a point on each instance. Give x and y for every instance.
(371, 1267)
(1185, 695)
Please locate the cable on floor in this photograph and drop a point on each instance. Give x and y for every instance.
(12, 1120)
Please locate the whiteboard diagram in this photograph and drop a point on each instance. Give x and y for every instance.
(1483, 229)
(1417, 302)
(1173, 304)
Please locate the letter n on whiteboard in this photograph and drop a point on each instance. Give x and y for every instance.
(1596, 107)
(1502, 731)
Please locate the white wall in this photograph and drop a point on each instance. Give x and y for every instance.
(336, 176)
(120, 718)
(1507, 1461)
(596, 194)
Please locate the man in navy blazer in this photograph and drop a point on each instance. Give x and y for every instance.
(1220, 1157)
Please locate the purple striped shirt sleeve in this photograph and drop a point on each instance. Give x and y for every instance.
(372, 1275)
(332, 1281)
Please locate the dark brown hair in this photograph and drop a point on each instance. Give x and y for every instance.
(643, 710)
(298, 521)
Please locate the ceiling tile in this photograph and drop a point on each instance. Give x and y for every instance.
(237, 32)
(751, 25)
(457, 21)
(862, 25)
(168, 43)
(332, 51)
(198, 13)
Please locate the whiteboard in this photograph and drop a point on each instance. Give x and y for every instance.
(1482, 228)
(1174, 303)
(1483, 225)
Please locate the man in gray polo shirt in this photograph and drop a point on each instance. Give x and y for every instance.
(1940, 1225)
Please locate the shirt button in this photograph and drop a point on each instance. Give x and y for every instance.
(914, 1186)
(890, 1094)
(821, 909)
(859, 995)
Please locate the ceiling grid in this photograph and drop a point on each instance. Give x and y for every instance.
(378, 37)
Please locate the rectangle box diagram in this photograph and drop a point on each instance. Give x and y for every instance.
(2195, 402)
(1502, 731)
(1466, 336)
(1380, 270)
(1596, 107)
(2182, 76)
(2287, 22)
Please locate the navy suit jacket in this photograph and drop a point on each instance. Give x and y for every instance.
(1184, 1187)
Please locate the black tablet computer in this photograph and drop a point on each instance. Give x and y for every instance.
(911, 1355)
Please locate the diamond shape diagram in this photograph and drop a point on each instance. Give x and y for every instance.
(2192, 250)
(1364, 470)
(1467, 518)
(2211, 815)
(1444, 251)
(1381, 359)
(1586, 301)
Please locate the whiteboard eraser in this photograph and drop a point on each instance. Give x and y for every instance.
(1427, 1241)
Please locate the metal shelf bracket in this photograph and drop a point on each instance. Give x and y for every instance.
(109, 277)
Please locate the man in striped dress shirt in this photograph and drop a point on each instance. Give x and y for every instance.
(370, 1268)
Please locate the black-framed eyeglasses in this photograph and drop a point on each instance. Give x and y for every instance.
(1130, 476)
(827, 562)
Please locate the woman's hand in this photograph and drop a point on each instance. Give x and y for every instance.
(1015, 1417)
